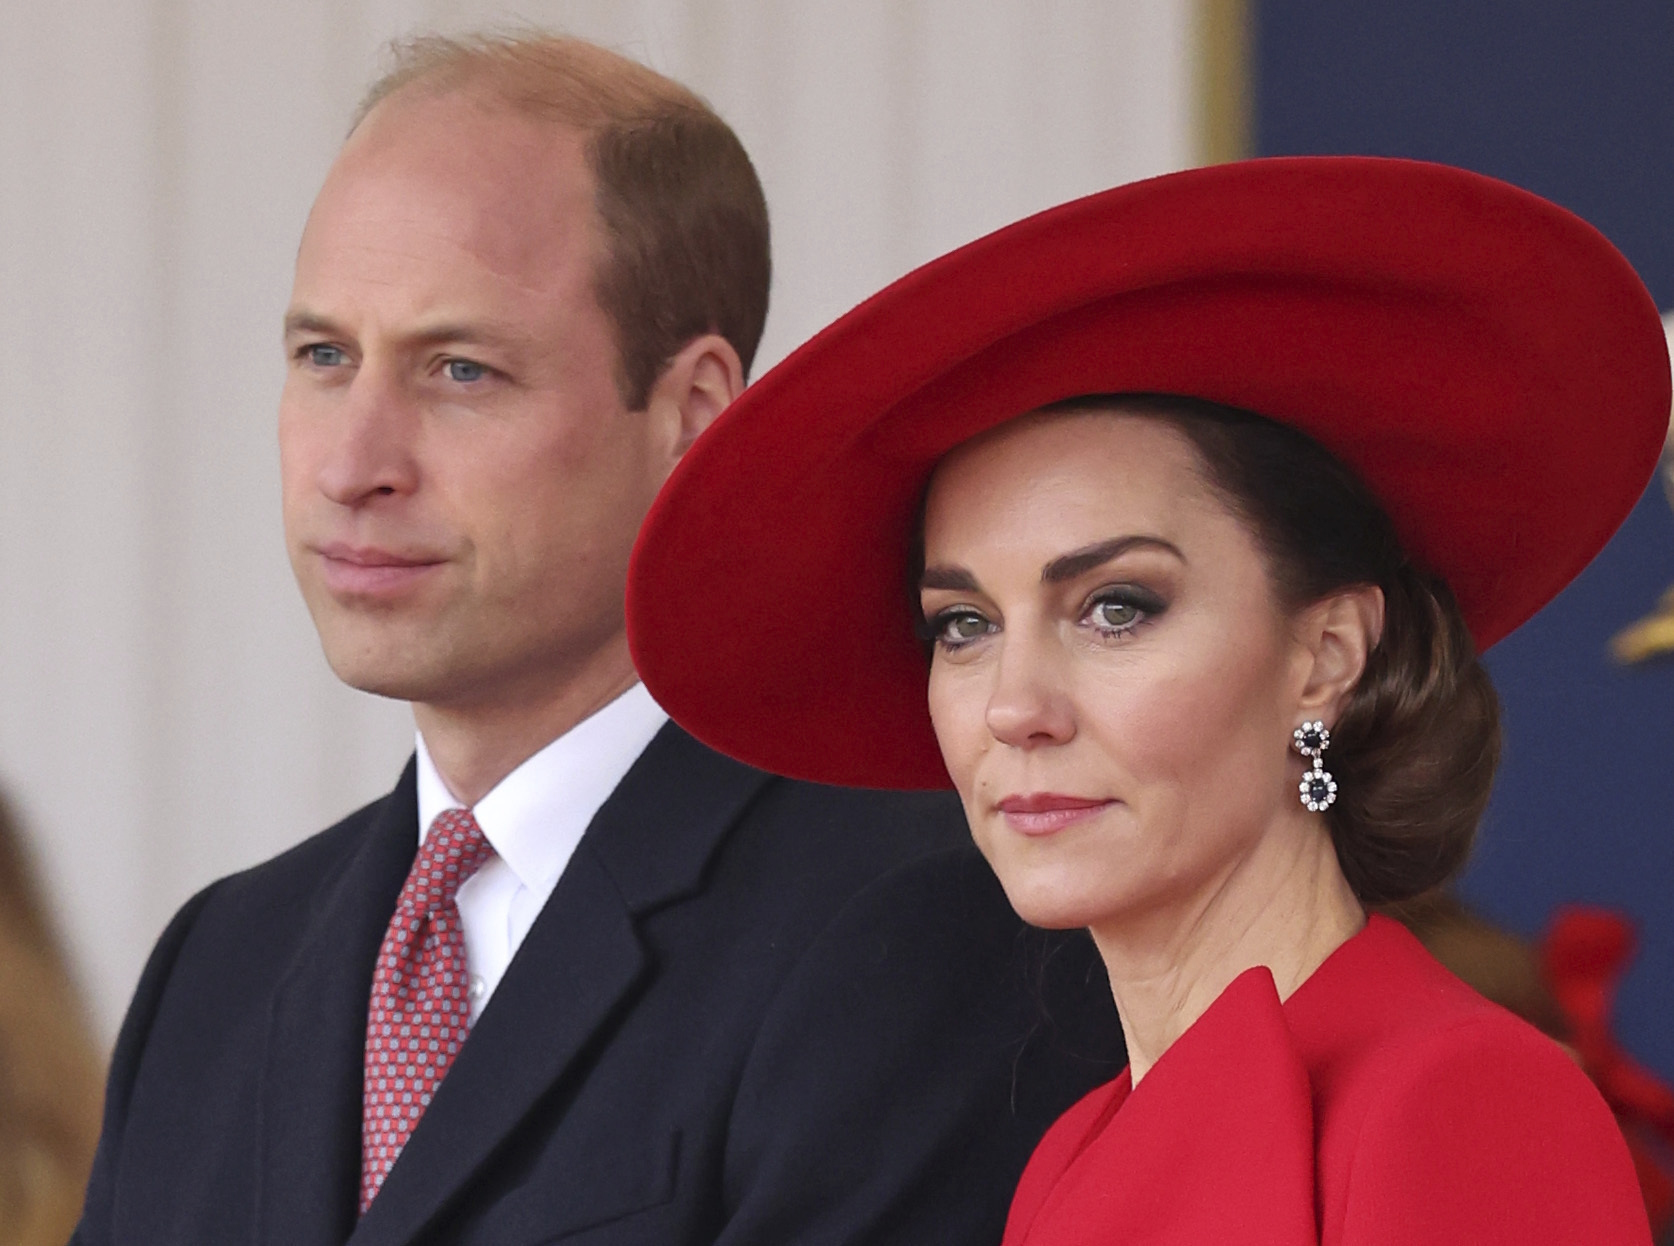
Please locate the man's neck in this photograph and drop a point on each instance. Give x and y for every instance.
(476, 743)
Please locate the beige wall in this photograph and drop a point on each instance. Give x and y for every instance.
(165, 716)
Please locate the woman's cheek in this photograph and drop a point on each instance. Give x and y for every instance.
(958, 713)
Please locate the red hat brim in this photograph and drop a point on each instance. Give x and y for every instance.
(1490, 365)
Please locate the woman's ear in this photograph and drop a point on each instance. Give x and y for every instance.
(1338, 633)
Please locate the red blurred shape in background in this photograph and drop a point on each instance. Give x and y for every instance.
(1584, 954)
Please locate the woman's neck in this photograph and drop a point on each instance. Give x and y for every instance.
(1286, 906)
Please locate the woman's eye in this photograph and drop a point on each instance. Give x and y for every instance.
(1116, 615)
(464, 371)
(1118, 612)
(954, 629)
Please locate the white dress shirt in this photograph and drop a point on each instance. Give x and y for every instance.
(534, 818)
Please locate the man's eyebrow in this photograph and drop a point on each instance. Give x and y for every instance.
(491, 332)
(954, 579)
(1079, 562)
(308, 322)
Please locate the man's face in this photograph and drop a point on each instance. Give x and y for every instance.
(462, 484)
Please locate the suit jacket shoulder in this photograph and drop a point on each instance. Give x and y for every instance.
(177, 1158)
(754, 1011)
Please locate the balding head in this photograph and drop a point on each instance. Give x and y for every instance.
(683, 217)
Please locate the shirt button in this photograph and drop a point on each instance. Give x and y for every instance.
(478, 987)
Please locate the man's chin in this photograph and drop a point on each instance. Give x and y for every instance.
(380, 684)
(376, 674)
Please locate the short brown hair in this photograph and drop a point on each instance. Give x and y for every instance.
(1415, 750)
(682, 208)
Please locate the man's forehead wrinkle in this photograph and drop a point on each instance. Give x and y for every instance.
(415, 249)
(421, 306)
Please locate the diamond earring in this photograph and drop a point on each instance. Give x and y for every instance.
(1317, 789)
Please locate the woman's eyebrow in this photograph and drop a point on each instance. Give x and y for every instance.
(954, 579)
(1083, 560)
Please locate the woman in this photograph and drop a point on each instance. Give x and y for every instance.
(1205, 679)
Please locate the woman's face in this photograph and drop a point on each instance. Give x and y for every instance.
(1114, 684)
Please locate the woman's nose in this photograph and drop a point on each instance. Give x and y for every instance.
(1030, 705)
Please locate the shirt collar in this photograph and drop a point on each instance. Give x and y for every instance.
(535, 816)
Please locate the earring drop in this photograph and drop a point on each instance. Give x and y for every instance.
(1317, 789)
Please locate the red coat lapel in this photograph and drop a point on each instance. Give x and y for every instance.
(1215, 1145)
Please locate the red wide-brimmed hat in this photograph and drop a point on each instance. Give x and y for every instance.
(1489, 364)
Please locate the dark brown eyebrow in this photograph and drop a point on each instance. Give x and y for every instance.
(1066, 567)
(1079, 562)
(954, 579)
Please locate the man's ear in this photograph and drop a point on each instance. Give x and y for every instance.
(1338, 634)
(699, 383)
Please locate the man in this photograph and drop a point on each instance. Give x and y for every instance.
(703, 1004)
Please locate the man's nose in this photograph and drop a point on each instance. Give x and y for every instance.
(1030, 705)
(372, 445)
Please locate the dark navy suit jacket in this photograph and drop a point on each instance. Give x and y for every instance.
(754, 1011)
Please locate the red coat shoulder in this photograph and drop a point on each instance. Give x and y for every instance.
(1443, 1118)
(1384, 1104)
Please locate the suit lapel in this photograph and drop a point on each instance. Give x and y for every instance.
(311, 1094)
(577, 969)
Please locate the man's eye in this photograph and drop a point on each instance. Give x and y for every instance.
(464, 371)
(322, 355)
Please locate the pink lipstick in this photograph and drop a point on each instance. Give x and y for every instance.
(1044, 813)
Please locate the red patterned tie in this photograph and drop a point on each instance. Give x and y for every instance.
(420, 1010)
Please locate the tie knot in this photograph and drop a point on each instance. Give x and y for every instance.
(453, 850)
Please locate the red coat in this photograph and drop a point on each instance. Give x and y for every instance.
(1384, 1104)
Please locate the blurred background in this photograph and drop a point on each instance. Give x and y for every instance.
(165, 715)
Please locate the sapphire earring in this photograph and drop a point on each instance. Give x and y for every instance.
(1317, 789)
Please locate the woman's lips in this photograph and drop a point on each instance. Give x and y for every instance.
(1044, 813)
(364, 571)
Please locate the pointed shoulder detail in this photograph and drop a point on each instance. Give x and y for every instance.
(1384, 1104)
(1216, 1144)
